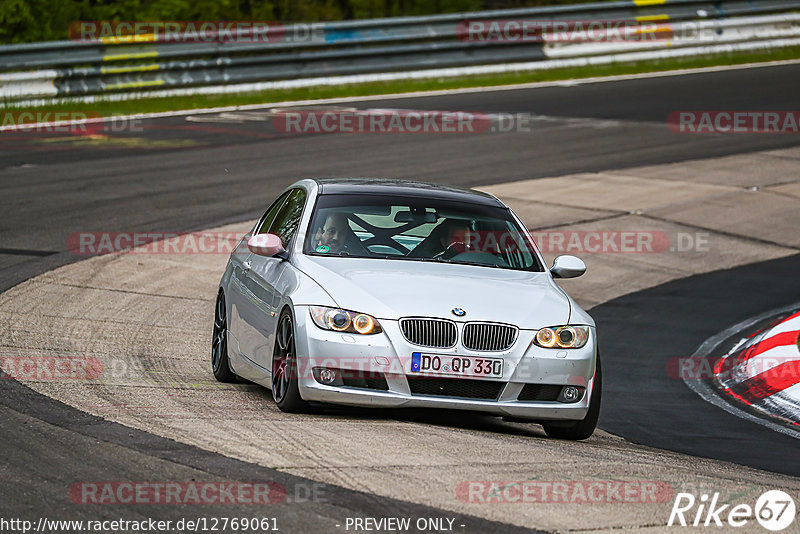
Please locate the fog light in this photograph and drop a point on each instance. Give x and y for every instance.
(327, 376)
(570, 394)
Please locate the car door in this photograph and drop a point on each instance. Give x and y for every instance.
(240, 293)
(263, 278)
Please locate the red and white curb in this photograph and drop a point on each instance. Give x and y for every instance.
(759, 378)
(763, 371)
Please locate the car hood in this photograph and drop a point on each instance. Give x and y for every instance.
(391, 289)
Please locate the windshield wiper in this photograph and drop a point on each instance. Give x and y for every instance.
(399, 257)
(477, 264)
(441, 260)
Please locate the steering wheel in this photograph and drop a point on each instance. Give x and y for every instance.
(454, 248)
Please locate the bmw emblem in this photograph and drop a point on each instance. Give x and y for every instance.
(459, 312)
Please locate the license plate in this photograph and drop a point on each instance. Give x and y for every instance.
(444, 364)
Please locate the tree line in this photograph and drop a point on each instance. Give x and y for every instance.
(48, 20)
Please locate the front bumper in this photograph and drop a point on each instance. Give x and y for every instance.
(389, 354)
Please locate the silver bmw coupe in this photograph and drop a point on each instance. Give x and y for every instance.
(388, 293)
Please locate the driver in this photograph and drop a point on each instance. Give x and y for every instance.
(447, 239)
(455, 233)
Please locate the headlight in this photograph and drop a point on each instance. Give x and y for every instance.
(562, 337)
(344, 321)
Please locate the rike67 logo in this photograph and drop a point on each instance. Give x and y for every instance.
(774, 510)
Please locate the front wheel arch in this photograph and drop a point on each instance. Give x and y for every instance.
(285, 387)
(584, 428)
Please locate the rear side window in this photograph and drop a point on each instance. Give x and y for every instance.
(286, 222)
(269, 216)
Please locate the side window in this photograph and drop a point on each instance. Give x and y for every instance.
(288, 219)
(269, 216)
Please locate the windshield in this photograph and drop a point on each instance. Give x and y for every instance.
(418, 229)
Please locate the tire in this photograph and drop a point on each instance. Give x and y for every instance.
(584, 428)
(285, 390)
(220, 364)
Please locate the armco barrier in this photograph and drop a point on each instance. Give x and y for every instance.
(339, 50)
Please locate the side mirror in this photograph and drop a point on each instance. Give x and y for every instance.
(265, 245)
(567, 267)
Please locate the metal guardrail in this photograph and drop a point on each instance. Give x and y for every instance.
(353, 47)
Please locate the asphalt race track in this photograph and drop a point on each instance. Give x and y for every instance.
(179, 176)
(672, 320)
(175, 175)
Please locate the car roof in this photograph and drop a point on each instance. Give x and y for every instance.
(366, 186)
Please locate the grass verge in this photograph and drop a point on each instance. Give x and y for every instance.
(153, 105)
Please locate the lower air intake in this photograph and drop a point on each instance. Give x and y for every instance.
(539, 392)
(456, 387)
(364, 380)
